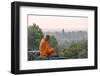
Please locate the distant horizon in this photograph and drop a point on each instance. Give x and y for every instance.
(56, 23)
(51, 30)
(69, 31)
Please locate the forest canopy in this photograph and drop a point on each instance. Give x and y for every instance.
(74, 49)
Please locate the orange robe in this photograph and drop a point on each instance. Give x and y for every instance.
(44, 48)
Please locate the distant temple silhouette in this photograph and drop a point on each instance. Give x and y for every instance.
(63, 31)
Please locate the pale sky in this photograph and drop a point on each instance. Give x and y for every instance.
(57, 23)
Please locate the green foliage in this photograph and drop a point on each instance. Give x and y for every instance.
(34, 36)
(53, 42)
(84, 46)
(75, 50)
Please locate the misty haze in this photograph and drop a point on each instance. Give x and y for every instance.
(68, 37)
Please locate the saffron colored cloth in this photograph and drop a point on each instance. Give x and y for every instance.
(44, 48)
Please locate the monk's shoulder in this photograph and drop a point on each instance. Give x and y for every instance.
(43, 40)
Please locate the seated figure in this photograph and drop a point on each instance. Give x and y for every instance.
(44, 48)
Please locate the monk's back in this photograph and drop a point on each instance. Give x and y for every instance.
(43, 47)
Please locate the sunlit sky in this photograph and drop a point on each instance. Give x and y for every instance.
(57, 23)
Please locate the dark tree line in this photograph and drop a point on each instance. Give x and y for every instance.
(35, 35)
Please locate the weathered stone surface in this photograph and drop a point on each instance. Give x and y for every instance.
(34, 55)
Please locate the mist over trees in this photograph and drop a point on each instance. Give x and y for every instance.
(68, 45)
(75, 50)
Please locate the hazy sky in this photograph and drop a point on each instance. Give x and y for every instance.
(57, 23)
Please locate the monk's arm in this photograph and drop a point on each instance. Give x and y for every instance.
(43, 46)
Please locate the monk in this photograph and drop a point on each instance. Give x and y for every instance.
(44, 48)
